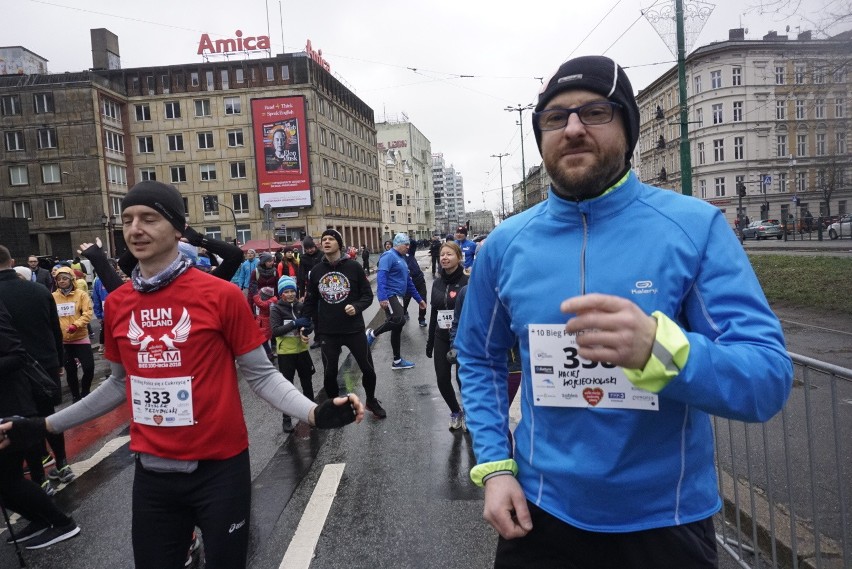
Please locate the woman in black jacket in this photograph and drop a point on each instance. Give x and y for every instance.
(445, 289)
(47, 524)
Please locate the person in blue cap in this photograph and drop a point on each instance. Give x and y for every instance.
(393, 282)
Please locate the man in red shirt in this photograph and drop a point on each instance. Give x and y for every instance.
(171, 352)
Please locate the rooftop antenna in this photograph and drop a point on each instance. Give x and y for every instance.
(281, 23)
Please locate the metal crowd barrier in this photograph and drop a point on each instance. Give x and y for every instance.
(787, 483)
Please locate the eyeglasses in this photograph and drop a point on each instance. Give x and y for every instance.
(599, 112)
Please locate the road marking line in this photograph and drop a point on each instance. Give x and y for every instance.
(300, 553)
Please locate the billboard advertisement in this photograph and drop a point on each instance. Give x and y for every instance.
(281, 151)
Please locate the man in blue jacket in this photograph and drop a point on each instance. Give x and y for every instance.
(393, 281)
(628, 345)
(467, 246)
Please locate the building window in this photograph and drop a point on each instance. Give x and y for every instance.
(239, 75)
(47, 138)
(334, 170)
(699, 117)
(205, 140)
(208, 172)
(22, 210)
(208, 80)
(819, 75)
(799, 74)
(115, 205)
(779, 74)
(323, 140)
(739, 149)
(223, 77)
(111, 110)
(10, 105)
(325, 166)
(178, 174)
(211, 207)
(801, 145)
(175, 142)
(241, 203)
(54, 209)
(233, 106)
(285, 72)
(738, 111)
(780, 110)
(235, 138)
(43, 103)
(328, 198)
(719, 184)
(782, 182)
(270, 73)
(145, 144)
(143, 112)
(719, 150)
(337, 199)
(697, 81)
(801, 181)
(244, 233)
(781, 145)
(800, 109)
(715, 79)
(238, 170)
(15, 141)
(114, 141)
(116, 174)
(717, 113)
(820, 144)
(213, 232)
(147, 174)
(18, 176)
(736, 76)
(839, 108)
(202, 107)
(172, 110)
(840, 143)
(193, 79)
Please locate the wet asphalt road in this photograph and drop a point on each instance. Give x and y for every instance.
(404, 498)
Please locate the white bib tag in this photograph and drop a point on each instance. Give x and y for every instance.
(66, 309)
(445, 319)
(561, 378)
(165, 402)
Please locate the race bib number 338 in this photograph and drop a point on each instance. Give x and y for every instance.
(162, 402)
(561, 378)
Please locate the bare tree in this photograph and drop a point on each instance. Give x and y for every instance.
(830, 178)
(830, 15)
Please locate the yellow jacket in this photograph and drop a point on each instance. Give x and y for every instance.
(74, 308)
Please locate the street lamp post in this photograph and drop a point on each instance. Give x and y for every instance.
(502, 199)
(520, 109)
(109, 226)
(212, 201)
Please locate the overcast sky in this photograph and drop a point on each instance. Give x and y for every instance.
(408, 56)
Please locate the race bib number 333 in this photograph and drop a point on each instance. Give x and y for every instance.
(162, 402)
(561, 378)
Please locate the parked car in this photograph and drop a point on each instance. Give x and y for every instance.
(841, 228)
(763, 229)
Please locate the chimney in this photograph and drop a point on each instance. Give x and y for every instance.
(804, 36)
(736, 34)
(105, 54)
(773, 35)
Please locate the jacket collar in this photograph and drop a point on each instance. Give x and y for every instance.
(617, 197)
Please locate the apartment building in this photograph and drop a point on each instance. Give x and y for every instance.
(75, 142)
(771, 114)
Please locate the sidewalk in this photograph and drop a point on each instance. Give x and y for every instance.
(810, 244)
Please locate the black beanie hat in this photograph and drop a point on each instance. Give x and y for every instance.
(308, 242)
(600, 75)
(163, 198)
(334, 233)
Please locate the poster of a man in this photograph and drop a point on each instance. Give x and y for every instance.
(283, 153)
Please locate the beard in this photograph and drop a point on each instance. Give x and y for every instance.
(583, 182)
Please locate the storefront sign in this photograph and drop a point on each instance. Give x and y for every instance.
(240, 43)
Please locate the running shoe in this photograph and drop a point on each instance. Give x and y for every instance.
(33, 529)
(64, 474)
(402, 364)
(456, 420)
(48, 488)
(422, 323)
(47, 461)
(371, 337)
(375, 407)
(287, 424)
(53, 534)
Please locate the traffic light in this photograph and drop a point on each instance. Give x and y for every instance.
(741, 189)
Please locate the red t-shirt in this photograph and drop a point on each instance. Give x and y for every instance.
(182, 339)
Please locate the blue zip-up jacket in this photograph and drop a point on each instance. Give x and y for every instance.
(243, 276)
(620, 470)
(468, 248)
(393, 278)
(99, 295)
